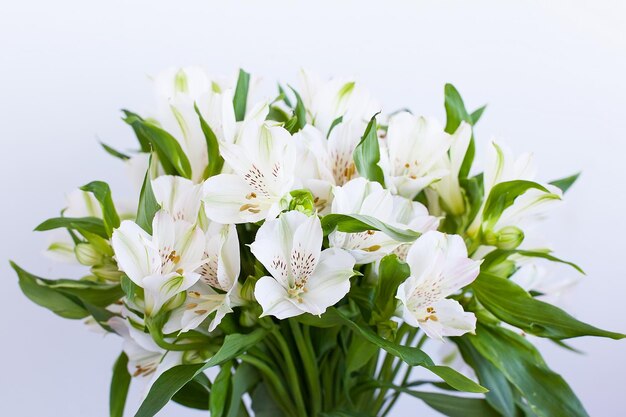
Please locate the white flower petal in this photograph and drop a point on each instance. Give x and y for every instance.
(274, 299)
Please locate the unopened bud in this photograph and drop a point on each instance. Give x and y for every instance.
(247, 289)
(507, 238)
(107, 272)
(87, 254)
(248, 317)
(505, 268)
(175, 302)
(302, 201)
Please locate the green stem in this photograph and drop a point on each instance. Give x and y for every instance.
(292, 373)
(310, 365)
(282, 397)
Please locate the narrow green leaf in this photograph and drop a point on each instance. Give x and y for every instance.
(511, 304)
(565, 183)
(172, 380)
(169, 151)
(477, 114)
(455, 114)
(102, 193)
(148, 206)
(244, 380)
(195, 393)
(63, 305)
(283, 94)
(411, 355)
(240, 99)
(130, 118)
(498, 255)
(333, 125)
(500, 395)
(299, 111)
(216, 162)
(355, 223)
(546, 392)
(367, 154)
(220, 391)
(391, 273)
(97, 294)
(120, 382)
(448, 405)
(90, 224)
(114, 152)
(504, 194)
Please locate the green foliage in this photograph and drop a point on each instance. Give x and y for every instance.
(216, 162)
(565, 183)
(167, 148)
(102, 193)
(355, 223)
(547, 394)
(511, 304)
(120, 383)
(148, 206)
(367, 154)
(503, 195)
(240, 98)
(195, 393)
(391, 273)
(89, 224)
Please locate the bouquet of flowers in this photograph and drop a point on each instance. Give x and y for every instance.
(305, 247)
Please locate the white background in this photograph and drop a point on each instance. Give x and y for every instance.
(552, 73)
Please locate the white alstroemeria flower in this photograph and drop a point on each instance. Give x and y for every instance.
(217, 289)
(448, 188)
(360, 196)
(146, 359)
(177, 92)
(439, 268)
(324, 163)
(414, 147)
(527, 208)
(180, 197)
(326, 101)
(264, 163)
(162, 264)
(412, 215)
(304, 279)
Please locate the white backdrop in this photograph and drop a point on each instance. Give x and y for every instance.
(552, 73)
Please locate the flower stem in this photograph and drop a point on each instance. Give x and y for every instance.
(310, 365)
(292, 373)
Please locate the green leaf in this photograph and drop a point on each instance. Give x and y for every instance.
(169, 151)
(360, 352)
(333, 125)
(477, 114)
(120, 382)
(345, 413)
(195, 393)
(355, 223)
(500, 395)
(244, 380)
(102, 193)
(503, 195)
(565, 183)
(448, 405)
(97, 294)
(240, 98)
(411, 355)
(114, 152)
(263, 404)
(35, 289)
(546, 392)
(391, 273)
(498, 255)
(299, 111)
(511, 304)
(216, 162)
(221, 387)
(455, 114)
(90, 224)
(283, 95)
(172, 380)
(148, 206)
(130, 118)
(367, 154)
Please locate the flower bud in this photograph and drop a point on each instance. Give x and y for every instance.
(248, 317)
(107, 272)
(175, 302)
(302, 201)
(507, 238)
(247, 289)
(505, 268)
(87, 254)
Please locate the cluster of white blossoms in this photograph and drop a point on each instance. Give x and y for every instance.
(315, 209)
